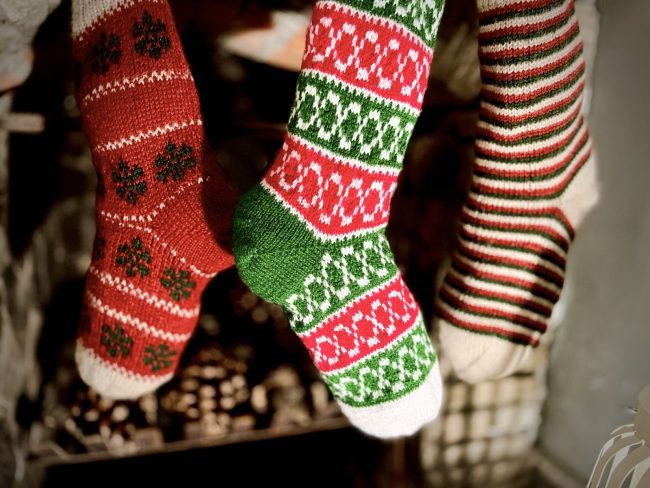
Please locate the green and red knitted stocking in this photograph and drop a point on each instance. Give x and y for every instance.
(310, 236)
(162, 204)
(534, 181)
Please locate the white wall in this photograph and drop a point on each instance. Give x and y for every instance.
(601, 358)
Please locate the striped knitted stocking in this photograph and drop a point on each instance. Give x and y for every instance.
(310, 236)
(534, 180)
(157, 241)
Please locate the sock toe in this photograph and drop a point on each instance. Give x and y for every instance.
(112, 381)
(477, 357)
(401, 417)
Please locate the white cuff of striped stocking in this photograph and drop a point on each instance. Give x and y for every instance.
(479, 357)
(111, 380)
(401, 417)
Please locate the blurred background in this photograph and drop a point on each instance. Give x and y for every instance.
(246, 406)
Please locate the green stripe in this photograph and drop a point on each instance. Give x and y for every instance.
(388, 375)
(534, 159)
(501, 79)
(526, 58)
(469, 293)
(549, 94)
(488, 315)
(420, 17)
(349, 122)
(286, 264)
(505, 196)
(531, 120)
(535, 138)
(492, 245)
(504, 212)
(521, 12)
(551, 238)
(531, 34)
(502, 283)
(501, 264)
(484, 333)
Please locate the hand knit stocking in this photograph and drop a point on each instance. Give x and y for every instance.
(310, 236)
(162, 205)
(534, 181)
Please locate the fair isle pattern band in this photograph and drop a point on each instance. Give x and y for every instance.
(531, 185)
(142, 119)
(311, 235)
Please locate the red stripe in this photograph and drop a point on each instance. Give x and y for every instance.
(482, 329)
(492, 135)
(533, 192)
(509, 98)
(463, 286)
(534, 288)
(139, 109)
(536, 153)
(368, 53)
(542, 251)
(331, 195)
(554, 212)
(513, 7)
(370, 324)
(460, 304)
(509, 52)
(488, 115)
(516, 227)
(491, 76)
(536, 268)
(527, 28)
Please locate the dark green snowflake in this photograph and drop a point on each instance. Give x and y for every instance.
(129, 182)
(132, 257)
(159, 358)
(178, 283)
(150, 36)
(175, 161)
(105, 52)
(116, 340)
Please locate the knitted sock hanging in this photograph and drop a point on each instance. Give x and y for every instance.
(311, 237)
(163, 208)
(534, 181)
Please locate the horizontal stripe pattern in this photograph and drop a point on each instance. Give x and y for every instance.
(324, 203)
(508, 268)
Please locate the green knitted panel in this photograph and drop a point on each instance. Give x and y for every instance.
(421, 17)
(289, 265)
(388, 375)
(350, 123)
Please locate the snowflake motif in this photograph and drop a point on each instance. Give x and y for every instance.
(116, 340)
(129, 183)
(105, 52)
(159, 358)
(151, 36)
(178, 283)
(132, 257)
(99, 247)
(175, 161)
